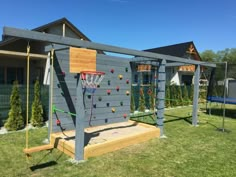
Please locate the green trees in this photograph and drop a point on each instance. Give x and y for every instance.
(132, 101)
(141, 100)
(37, 108)
(208, 55)
(15, 120)
(151, 93)
(227, 54)
(185, 96)
(167, 100)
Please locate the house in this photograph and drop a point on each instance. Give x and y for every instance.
(181, 74)
(13, 60)
(13, 67)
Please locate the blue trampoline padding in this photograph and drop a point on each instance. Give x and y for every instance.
(221, 99)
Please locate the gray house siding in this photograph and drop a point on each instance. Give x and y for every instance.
(18, 65)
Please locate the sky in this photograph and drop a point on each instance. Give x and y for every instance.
(135, 24)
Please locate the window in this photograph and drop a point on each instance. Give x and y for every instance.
(135, 79)
(147, 78)
(187, 79)
(39, 74)
(2, 75)
(15, 74)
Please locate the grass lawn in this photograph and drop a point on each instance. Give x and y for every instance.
(187, 152)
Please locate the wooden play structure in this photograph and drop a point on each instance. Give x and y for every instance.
(90, 94)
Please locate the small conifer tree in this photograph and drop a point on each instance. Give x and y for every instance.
(151, 94)
(179, 99)
(132, 101)
(191, 94)
(15, 119)
(185, 95)
(37, 108)
(141, 100)
(167, 100)
(173, 95)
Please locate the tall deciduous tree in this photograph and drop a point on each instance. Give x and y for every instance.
(15, 119)
(208, 55)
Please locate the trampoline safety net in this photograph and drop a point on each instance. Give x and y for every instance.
(222, 79)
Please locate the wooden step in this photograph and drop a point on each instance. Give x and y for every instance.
(38, 148)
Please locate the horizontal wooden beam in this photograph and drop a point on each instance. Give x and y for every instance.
(22, 54)
(51, 38)
(172, 63)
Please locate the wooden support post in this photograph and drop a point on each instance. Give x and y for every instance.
(80, 118)
(161, 96)
(195, 95)
(50, 98)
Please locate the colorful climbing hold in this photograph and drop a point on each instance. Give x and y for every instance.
(120, 76)
(113, 110)
(117, 88)
(58, 122)
(108, 92)
(112, 70)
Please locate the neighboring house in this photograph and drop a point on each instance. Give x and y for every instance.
(183, 74)
(13, 59)
(13, 67)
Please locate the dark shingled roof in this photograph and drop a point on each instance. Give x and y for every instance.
(178, 50)
(44, 27)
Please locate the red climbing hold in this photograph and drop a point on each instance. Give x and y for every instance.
(58, 122)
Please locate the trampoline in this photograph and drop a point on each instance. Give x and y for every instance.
(221, 88)
(222, 84)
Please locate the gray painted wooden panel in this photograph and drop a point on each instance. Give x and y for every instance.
(105, 121)
(65, 92)
(107, 110)
(86, 124)
(99, 104)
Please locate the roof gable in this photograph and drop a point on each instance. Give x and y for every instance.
(185, 50)
(55, 27)
(69, 26)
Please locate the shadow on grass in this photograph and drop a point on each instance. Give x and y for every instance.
(40, 165)
(177, 118)
(43, 165)
(229, 113)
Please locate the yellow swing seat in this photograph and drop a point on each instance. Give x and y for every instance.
(29, 151)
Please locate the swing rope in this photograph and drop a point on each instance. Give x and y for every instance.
(27, 98)
(28, 150)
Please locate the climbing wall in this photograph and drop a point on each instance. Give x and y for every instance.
(110, 103)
